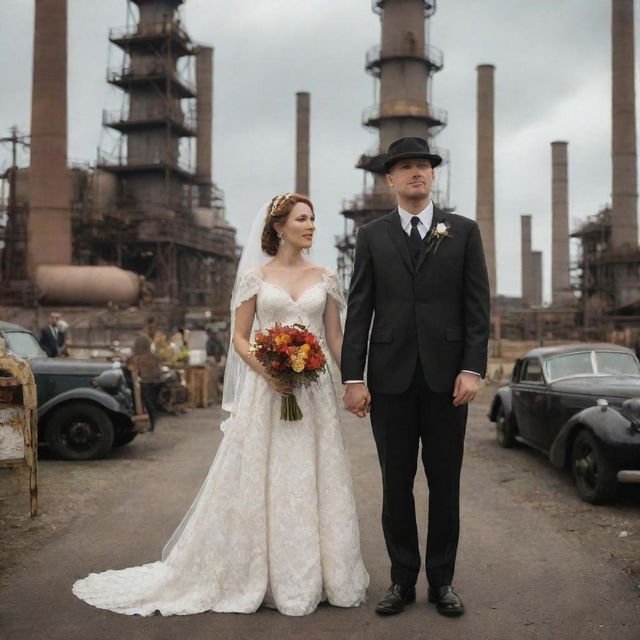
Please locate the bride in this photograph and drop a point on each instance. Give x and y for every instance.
(274, 522)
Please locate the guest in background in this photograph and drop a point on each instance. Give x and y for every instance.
(180, 345)
(51, 338)
(148, 366)
(214, 345)
(63, 328)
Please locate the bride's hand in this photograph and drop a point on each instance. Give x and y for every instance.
(279, 386)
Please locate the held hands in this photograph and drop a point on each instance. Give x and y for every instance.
(465, 388)
(279, 386)
(357, 399)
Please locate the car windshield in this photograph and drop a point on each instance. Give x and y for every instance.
(591, 363)
(23, 344)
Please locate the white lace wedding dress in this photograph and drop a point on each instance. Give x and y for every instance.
(275, 522)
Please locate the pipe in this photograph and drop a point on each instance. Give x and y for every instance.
(49, 218)
(204, 108)
(86, 285)
(485, 199)
(525, 258)
(624, 209)
(303, 108)
(536, 279)
(560, 223)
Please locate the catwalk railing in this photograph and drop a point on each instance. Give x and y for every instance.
(186, 119)
(126, 74)
(431, 55)
(404, 109)
(147, 30)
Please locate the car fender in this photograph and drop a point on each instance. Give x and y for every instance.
(608, 425)
(93, 395)
(503, 397)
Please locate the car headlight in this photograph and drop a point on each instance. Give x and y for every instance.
(110, 380)
(631, 410)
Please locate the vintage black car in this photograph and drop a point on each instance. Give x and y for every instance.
(84, 408)
(580, 405)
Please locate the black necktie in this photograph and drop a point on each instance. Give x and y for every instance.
(415, 240)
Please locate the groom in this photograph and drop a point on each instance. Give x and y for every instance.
(421, 274)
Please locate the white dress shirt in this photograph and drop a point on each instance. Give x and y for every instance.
(426, 219)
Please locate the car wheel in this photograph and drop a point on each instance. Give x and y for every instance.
(80, 431)
(505, 431)
(595, 477)
(124, 437)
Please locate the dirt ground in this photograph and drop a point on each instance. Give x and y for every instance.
(534, 561)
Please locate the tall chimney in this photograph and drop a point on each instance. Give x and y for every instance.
(559, 223)
(624, 216)
(527, 275)
(303, 107)
(536, 278)
(204, 113)
(485, 169)
(49, 218)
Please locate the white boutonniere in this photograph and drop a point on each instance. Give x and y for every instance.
(442, 230)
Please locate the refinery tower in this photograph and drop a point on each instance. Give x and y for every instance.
(402, 66)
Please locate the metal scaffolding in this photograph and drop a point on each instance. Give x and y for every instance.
(401, 66)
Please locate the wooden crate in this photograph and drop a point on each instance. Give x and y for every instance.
(198, 380)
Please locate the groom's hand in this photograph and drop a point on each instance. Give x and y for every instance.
(465, 388)
(357, 399)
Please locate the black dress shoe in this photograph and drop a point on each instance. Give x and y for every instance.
(447, 601)
(395, 599)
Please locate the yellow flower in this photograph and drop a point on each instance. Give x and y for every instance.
(298, 366)
(305, 349)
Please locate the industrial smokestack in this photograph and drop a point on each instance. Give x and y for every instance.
(527, 275)
(559, 223)
(49, 218)
(485, 169)
(404, 78)
(624, 216)
(303, 108)
(204, 108)
(536, 278)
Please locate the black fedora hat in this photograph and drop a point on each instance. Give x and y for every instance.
(410, 148)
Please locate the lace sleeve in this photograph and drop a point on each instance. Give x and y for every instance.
(247, 287)
(334, 289)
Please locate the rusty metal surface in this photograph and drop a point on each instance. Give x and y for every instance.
(49, 217)
(86, 284)
(18, 420)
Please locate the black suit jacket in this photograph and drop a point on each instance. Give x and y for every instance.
(437, 307)
(49, 343)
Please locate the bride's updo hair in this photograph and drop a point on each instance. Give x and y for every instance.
(277, 213)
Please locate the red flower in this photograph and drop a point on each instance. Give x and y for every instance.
(275, 347)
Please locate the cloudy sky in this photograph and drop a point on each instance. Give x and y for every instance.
(553, 82)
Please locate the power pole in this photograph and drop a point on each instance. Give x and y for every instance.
(13, 266)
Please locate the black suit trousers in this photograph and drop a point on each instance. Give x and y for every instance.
(400, 423)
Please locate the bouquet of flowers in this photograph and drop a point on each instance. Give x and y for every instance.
(292, 355)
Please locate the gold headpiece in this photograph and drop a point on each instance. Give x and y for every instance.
(277, 201)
